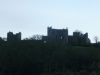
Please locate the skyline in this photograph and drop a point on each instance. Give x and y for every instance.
(34, 16)
(47, 32)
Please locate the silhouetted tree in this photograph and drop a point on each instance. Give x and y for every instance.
(79, 32)
(1, 40)
(5, 39)
(96, 39)
(36, 37)
(26, 39)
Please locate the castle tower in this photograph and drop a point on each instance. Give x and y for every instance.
(57, 35)
(9, 36)
(13, 37)
(49, 30)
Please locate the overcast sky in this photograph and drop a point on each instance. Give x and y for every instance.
(34, 16)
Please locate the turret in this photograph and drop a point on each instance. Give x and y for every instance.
(49, 30)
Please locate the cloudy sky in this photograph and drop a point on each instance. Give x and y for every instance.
(34, 16)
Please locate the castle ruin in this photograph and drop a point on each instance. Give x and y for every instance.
(56, 35)
(61, 36)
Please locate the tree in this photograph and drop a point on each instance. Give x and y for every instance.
(4, 38)
(79, 33)
(96, 39)
(1, 39)
(34, 37)
(26, 39)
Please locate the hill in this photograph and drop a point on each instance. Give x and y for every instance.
(38, 58)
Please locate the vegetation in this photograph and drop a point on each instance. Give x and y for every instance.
(34, 57)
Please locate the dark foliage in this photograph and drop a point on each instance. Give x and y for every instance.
(33, 57)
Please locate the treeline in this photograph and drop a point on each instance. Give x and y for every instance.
(39, 58)
(96, 45)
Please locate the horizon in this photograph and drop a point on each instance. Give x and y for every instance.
(34, 16)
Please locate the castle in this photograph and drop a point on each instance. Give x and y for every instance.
(61, 36)
(56, 36)
(13, 37)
